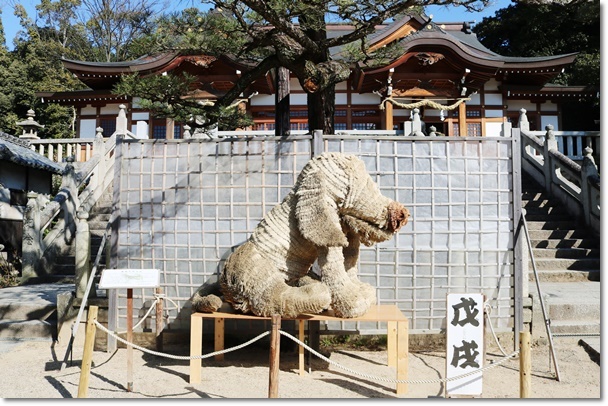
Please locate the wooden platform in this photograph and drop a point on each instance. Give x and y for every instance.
(397, 336)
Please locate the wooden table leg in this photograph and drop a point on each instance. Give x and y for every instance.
(402, 356)
(219, 338)
(196, 348)
(391, 343)
(300, 348)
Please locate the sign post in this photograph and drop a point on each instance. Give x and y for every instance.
(465, 343)
(129, 279)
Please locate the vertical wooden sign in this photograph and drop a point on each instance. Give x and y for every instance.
(465, 339)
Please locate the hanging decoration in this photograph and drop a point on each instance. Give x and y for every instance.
(424, 102)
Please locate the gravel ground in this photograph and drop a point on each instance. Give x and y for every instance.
(31, 370)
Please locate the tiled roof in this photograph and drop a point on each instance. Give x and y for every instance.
(17, 151)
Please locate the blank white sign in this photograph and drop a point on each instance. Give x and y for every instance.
(129, 278)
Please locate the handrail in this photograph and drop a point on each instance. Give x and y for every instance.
(95, 175)
(577, 186)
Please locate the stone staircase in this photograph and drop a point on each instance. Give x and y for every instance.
(567, 258)
(29, 312)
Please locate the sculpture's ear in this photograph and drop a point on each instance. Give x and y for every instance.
(317, 212)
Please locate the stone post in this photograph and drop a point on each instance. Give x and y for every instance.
(523, 123)
(588, 171)
(83, 254)
(187, 133)
(550, 144)
(416, 124)
(121, 120)
(32, 239)
(70, 186)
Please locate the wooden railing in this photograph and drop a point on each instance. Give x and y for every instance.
(576, 186)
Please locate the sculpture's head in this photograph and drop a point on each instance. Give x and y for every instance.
(335, 190)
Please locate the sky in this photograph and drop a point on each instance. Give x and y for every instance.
(440, 14)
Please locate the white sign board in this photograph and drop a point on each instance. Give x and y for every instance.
(129, 278)
(465, 339)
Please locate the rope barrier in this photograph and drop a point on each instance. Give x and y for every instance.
(157, 298)
(375, 378)
(238, 347)
(181, 357)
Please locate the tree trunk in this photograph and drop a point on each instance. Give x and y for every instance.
(282, 125)
(321, 109)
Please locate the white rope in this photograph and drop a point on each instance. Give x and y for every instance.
(180, 357)
(488, 309)
(424, 102)
(144, 318)
(157, 296)
(397, 380)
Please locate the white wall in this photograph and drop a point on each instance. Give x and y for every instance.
(87, 128)
(546, 120)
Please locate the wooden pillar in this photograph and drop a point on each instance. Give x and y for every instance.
(159, 320)
(87, 356)
(275, 349)
(170, 129)
(402, 356)
(388, 116)
(301, 348)
(219, 338)
(525, 365)
(462, 120)
(196, 348)
(282, 122)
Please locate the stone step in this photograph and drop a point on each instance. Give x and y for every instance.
(575, 326)
(562, 276)
(23, 310)
(27, 329)
(557, 234)
(572, 253)
(543, 217)
(553, 224)
(546, 210)
(576, 264)
(565, 243)
(572, 301)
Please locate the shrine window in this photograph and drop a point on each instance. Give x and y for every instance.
(108, 124)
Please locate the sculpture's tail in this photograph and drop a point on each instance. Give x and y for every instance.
(207, 299)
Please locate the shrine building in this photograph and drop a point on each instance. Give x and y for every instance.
(459, 86)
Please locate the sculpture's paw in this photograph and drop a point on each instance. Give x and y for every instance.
(313, 298)
(206, 304)
(350, 302)
(369, 292)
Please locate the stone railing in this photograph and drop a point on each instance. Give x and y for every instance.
(574, 143)
(50, 227)
(58, 150)
(576, 186)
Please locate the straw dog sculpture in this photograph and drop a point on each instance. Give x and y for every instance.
(333, 208)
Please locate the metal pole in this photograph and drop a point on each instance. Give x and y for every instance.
(130, 340)
(540, 297)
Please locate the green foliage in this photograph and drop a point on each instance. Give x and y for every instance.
(548, 29)
(167, 96)
(10, 269)
(354, 342)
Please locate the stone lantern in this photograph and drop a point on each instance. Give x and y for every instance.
(30, 126)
